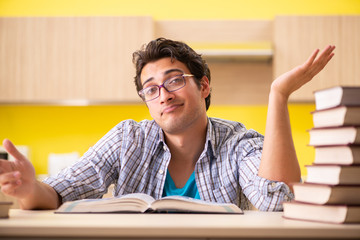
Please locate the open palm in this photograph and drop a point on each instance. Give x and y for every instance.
(16, 177)
(300, 75)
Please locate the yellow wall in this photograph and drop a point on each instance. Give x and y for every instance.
(185, 9)
(57, 129)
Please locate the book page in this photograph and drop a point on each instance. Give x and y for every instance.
(188, 199)
(139, 196)
(187, 204)
(136, 202)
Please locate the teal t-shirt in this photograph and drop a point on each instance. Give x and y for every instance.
(189, 190)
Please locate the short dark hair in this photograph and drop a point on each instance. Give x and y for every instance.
(161, 48)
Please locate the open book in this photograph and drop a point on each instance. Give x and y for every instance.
(143, 203)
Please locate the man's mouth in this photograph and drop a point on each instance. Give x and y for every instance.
(171, 108)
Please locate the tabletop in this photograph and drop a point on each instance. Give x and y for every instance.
(24, 224)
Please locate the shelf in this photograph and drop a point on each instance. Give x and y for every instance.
(69, 102)
(237, 54)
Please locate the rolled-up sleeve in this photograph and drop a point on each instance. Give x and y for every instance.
(268, 195)
(93, 173)
(264, 194)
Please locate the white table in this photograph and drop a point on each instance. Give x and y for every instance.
(253, 224)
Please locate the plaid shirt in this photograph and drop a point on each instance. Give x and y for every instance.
(134, 157)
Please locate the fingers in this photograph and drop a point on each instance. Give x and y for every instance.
(324, 57)
(10, 181)
(6, 166)
(11, 149)
(316, 62)
(330, 53)
(312, 57)
(327, 53)
(10, 177)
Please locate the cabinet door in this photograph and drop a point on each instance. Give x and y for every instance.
(296, 37)
(70, 58)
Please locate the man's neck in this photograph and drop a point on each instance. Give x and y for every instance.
(188, 144)
(185, 149)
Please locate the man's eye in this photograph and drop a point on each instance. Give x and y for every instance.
(150, 90)
(175, 81)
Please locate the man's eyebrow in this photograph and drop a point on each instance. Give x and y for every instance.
(165, 73)
(173, 70)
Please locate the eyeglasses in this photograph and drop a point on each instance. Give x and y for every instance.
(171, 85)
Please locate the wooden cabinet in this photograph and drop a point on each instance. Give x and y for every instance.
(70, 59)
(46, 59)
(296, 37)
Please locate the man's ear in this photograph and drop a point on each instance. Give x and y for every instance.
(205, 87)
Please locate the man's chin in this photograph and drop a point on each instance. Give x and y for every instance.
(172, 125)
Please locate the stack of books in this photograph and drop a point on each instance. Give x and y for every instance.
(331, 192)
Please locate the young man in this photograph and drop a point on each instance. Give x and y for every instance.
(181, 151)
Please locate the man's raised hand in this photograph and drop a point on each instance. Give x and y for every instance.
(292, 80)
(17, 178)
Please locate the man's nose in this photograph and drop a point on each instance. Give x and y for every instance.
(165, 95)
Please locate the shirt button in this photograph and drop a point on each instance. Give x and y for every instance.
(161, 171)
(165, 148)
(273, 184)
